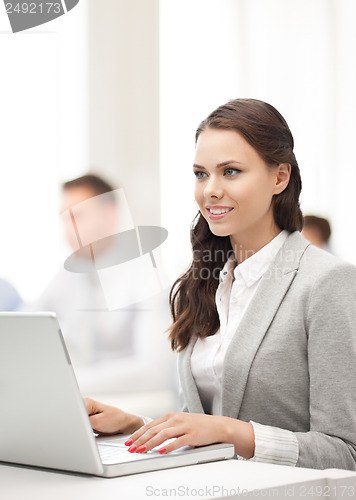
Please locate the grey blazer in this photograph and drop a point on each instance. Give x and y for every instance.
(292, 361)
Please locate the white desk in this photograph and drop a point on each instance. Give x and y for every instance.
(230, 479)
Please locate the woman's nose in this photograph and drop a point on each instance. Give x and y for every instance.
(213, 188)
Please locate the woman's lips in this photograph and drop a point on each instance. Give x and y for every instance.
(220, 212)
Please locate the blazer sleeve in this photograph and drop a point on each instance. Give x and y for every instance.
(331, 329)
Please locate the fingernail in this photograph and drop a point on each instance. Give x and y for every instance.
(128, 442)
(162, 450)
(140, 449)
(132, 448)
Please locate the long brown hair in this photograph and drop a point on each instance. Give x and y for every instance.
(192, 297)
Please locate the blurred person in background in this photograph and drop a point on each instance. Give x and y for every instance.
(317, 230)
(111, 350)
(10, 300)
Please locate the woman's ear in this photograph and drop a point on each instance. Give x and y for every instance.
(282, 177)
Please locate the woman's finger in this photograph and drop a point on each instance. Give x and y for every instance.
(152, 439)
(137, 435)
(174, 445)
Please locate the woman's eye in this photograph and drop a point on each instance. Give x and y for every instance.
(199, 175)
(231, 171)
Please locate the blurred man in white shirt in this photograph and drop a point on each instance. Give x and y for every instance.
(111, 350)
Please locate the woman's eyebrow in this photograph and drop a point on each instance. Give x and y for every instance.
(219, 165)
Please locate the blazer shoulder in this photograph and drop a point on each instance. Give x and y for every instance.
(326, 272)
(312, 264)
(324, 262)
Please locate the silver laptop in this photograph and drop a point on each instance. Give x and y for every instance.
(43, 420)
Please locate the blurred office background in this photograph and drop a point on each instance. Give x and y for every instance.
(119, 87)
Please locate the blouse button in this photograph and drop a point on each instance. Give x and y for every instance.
(234, 299)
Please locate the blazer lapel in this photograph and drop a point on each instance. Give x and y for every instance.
(256, 320)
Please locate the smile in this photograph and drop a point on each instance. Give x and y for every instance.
(218, 212)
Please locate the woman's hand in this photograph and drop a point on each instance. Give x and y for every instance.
(193, 429)
(107, 419)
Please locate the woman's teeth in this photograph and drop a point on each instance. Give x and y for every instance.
(219, 211)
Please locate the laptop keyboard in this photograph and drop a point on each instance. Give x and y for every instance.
(116, 452)
(113, 454)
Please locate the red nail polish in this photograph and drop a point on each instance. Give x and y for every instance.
(140, 449)
(128, 442)
(162, 450)
(132, 448)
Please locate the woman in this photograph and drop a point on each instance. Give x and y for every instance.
(263, 321)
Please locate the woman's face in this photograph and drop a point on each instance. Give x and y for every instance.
(234, 188)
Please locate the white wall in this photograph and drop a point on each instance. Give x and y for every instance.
(123, 100)
(43, 141)
(28, 157)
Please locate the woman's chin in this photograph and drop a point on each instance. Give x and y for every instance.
(218, 231)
